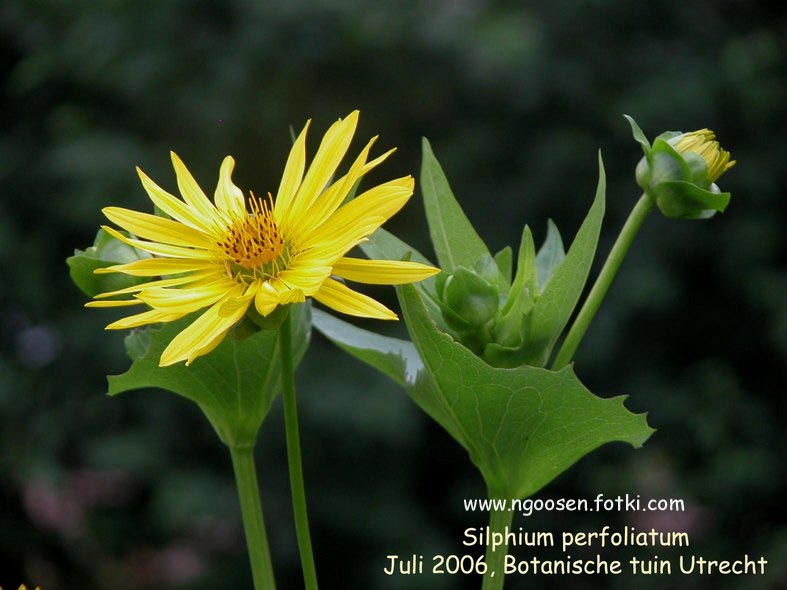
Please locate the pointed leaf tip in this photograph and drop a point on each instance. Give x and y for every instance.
(455, 240)
(639, 136)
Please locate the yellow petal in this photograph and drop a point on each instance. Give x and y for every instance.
(383, 272)
(381, 201)
(159, 229)
(152, 316)
(377, 161)
(343, 299)
(292, 176)
(113, 303)
(228, 197)
(339, 243)
(193, 195)
(305, 278)
(173, 206)
(330, 200)
(160, 249)
(293, 296)
(329, 155)
(160, 283)
(231, 306)
(204, 332)
(266, 299)
(187, 299)
(154, 267)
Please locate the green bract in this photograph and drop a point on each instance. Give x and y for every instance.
(105, 251)
(678, 182)
(481, 339)
(507, 322)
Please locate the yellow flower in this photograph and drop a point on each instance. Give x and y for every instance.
(703, 143)
(228, 254)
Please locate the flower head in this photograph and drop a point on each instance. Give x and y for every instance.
(704, 144)
(679, 172)
(231, 254)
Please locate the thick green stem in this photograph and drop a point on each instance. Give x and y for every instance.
(253, 523)
(604, 280)
(499, 522)
(297, 488)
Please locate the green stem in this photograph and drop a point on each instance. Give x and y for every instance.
(495, 560)
(253, 523)
(298, 490)
(604, 280)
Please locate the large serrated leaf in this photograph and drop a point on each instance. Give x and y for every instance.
(561, 293)
(234, 385)
(523, 426)
(456, 242)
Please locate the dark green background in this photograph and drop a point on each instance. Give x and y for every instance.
(137, 492)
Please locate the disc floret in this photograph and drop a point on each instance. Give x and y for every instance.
(253, 241)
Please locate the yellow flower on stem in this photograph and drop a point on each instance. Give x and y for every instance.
(230, 254)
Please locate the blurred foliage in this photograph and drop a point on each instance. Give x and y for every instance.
(516, 98)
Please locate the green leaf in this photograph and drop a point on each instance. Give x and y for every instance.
(395, 358)
(455, 240)
(525, 281)
(384, 245)
(556, 304)
(639, 136)
(523, 426)
(505, 262)
(486, 268)
(509, 356)
(550, 256)
(105, 251)
(234, 385)
(137, 343)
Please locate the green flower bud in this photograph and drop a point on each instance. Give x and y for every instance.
(679, 172)
(471, 298)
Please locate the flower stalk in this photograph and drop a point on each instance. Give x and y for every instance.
(677, 173)
(253, 522)
(603, 282)
(494, 576)
(297, 487)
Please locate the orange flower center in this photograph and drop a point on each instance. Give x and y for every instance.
(254, 240)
